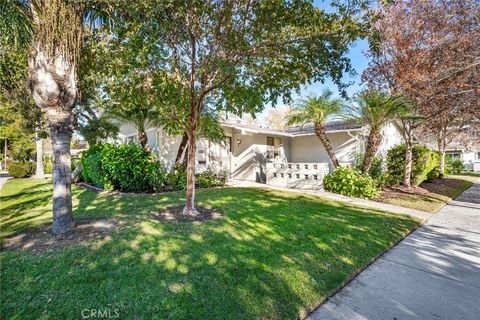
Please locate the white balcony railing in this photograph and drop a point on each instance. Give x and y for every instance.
(297, 175)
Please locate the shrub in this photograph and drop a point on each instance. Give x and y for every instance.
(92, 169)
(123, 167)
(211, 178)
(425, 164)
(177, 178)
(376, 169)
(350, 182)
(48, 165)
(18, 169)
(454, 166)
(158, 177)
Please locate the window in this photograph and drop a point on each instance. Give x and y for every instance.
(273, 147)
(281, 175)
(315, 177)
(306, 177)
(132, 139)
(290, 175)
(230, 145)
(298, 176)
(454, 155)
(274, 175)
(270, 141)
(478, 155)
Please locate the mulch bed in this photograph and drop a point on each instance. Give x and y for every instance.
(175, 215)
(40, 239)
(433, 189)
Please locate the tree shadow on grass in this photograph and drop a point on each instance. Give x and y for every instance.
(271, 256)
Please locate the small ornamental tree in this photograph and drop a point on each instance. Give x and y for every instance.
(237, 56)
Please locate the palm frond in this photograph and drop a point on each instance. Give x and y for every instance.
(16, 28)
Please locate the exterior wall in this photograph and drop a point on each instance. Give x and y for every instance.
(297, 175)
(471, 158)
(250, 156)
(310, 149)
(166, 147)
(245, 153)
(391, 137)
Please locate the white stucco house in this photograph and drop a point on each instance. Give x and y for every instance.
(469, 154)
(293, 156)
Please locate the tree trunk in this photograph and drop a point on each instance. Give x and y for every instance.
(322, 135)
(39, 172)
(143, 140)
(190, 196)
(62, 180)
(374, 139)
(441, 144)
(77, 173)
(181, 148)
(407, 172)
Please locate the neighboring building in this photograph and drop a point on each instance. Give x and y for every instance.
(469, 155)
(249, 148)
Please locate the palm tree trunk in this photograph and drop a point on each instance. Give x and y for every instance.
(181, 148)
(143, 140)
(62, 181)
(322, 135)
(39, 172)
(373, 142)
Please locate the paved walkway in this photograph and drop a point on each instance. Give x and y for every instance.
(432, 274)
(421, 215)
(3, 178)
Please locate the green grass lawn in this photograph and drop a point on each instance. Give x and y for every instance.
(272, 256)
(430, 196)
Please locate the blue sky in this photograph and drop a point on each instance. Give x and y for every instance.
(359, 62)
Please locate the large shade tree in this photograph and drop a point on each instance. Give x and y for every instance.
(317, 110)
(237, 56)
(429, 51)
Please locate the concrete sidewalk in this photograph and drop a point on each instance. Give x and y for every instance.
(421, 215)
(432, 274)
(3, 178)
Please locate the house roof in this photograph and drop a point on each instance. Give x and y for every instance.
(331, 126)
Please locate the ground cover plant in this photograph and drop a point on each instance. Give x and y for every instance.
(271, 255)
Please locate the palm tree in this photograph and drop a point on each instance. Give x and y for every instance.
(53, 31)
(317, 110)
(374, 109)
(141, 118)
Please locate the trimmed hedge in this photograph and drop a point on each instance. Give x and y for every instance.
(351, 182)
(18, 169)
(425, 164)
